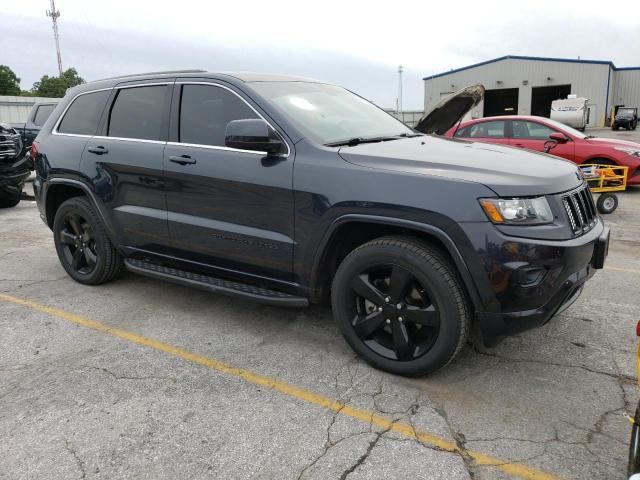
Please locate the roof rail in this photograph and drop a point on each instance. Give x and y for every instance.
(166, 72)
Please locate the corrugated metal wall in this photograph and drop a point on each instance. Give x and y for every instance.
(627, 88)
(16, 109)
(586, 80)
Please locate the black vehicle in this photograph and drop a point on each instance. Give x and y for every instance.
(14, 167)
(626, 117)
(289, 191)
(37, 117)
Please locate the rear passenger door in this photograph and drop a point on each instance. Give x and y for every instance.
(124, 163)
(493, 131)
(228, 208)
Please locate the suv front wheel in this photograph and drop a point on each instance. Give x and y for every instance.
(84, 249)
(400, 305)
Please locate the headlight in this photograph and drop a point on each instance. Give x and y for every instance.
(517, 211)
(629, 151)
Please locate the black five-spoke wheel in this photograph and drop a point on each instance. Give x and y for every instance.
(83, 247)
(79, 244)
(395, 316)
(400, 305)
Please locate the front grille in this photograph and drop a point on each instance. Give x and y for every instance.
(581, 210)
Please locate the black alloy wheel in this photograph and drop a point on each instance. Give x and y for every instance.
(79, 244)
(395, 316)
(82, 244)
(400, 305)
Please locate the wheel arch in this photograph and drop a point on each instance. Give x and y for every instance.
(350, 231)
(62, 189)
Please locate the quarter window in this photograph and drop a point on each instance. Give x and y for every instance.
(138, 113)
(205, 112)
(531, 130)
(493, 129)
(42, 113)
(83, 115)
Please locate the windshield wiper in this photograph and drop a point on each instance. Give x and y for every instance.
(589, 136)
(358, 140)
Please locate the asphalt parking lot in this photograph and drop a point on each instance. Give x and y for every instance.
(145, 379)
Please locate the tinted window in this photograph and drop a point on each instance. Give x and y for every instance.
(483, 130)
(206, 110)
(42, 113)
(531, 130)
(83, 115)
(137, 113)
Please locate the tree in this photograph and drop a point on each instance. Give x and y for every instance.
(57, 86)
(9, 83)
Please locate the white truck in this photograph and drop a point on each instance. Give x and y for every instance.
(572, 111)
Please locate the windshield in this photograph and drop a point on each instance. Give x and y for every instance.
(330, 114)
(626, 111)
(565, 128)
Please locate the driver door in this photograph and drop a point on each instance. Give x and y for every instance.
(533, 135)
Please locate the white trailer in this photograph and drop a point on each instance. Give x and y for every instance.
(572, 111)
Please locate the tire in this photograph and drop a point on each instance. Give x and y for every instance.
(84, 250)
(434, 290)
(8, 200)
(633, 465)
(607, 203)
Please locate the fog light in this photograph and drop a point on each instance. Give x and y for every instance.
(531, 276)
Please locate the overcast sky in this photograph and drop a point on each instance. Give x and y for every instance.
(355, 44)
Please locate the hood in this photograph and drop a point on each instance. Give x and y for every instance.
(509, 172)
(450, 110)
(612, 142)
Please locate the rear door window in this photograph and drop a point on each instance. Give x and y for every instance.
(42, 113)
(494, 129)
(138, 113)
(205, 112)
(83, 115)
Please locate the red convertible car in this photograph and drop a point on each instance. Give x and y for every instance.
(532, 132)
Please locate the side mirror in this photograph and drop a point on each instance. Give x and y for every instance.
(558, 137)
(252, 134)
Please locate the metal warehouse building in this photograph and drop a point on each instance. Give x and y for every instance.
(519, 85)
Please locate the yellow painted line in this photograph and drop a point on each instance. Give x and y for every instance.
(628, 270)
(367, 416)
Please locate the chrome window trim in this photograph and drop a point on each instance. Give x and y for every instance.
(216, 147)
(64, 112)
(126, 139)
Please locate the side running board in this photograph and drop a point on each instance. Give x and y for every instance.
(216, 285)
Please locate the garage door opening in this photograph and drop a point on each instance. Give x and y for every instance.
(541, 98)
(501, 101)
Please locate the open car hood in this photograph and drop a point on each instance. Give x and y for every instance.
(450, 110)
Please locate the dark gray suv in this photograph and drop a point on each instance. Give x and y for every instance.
(289, 191)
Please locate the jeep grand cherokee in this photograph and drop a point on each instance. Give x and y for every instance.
(289, 191)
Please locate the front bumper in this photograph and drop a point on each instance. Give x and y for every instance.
(529, 281)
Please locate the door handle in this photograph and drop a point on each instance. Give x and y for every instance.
(98, 150)
(182, 159)
(519, 145)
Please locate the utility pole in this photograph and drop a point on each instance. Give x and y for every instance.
(54, 14)
(399, 92)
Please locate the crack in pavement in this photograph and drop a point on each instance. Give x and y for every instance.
(617, 376)
(79, 461)
(126, 377)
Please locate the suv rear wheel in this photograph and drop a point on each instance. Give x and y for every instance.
(400, 305)
(84, 249)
